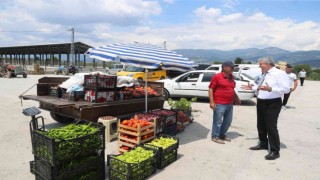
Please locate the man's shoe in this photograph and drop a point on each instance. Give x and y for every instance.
(217, 140)
(224, 138)
(283, 107)
(272, 155)
(260, 147)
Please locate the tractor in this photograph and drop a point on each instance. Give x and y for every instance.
(65, 70)
(8, 70)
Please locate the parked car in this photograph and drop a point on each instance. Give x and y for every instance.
(196, 84)
(244, 77)
(116, 68)
(139, 73)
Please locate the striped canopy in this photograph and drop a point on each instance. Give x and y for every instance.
(142, 55)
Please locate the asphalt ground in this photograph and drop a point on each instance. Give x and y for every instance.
(198, 156)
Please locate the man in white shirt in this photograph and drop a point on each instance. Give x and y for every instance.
(273, 85)
(292, 81)
(302, 75)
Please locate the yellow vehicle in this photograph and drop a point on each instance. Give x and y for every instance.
(139, 73)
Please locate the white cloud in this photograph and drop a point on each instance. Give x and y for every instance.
(100, 22)
(169, 1)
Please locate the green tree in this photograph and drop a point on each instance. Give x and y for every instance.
(217, 62)
(238, 60)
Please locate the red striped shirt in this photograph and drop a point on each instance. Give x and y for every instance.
(223, 89)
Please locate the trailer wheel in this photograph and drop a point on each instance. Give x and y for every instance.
(60, 118)
(24, 75)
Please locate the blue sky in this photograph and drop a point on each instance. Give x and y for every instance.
(183, 24)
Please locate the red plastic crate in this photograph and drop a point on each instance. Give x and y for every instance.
(100, 81)
(99, 96)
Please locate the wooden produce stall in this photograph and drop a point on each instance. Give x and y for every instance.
(67, 110)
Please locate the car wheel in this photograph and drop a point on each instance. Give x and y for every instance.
(140, 79)
(60, 118)
(166, 94)
(24, 75)
(162, 78)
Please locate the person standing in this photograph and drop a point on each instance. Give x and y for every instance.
(293, 83)
(302, 75)
(222, 97)
(274, 84)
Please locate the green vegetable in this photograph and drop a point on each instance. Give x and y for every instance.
(182, 104)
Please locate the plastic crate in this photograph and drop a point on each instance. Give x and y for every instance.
(120, 170)
(54, 91)
(169, 116)
(73, 96)
(168, 155)
(57, 151)
(99, 96)
(170, 130)
(32, 167)
(100, 82)
(80, 168)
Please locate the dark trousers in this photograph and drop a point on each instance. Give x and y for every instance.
(268, 112)
(301, 81)
(285, 98)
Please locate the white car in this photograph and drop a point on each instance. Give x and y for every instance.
(244, 77)
(196, 84)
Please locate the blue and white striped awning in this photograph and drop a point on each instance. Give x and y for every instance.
(142, 55)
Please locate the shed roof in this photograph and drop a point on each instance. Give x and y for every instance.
(63, 48)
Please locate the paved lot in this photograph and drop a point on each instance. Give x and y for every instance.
(199, 158)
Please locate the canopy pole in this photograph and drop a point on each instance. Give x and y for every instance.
(145, 90)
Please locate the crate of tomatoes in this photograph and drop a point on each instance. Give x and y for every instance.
(134, 131)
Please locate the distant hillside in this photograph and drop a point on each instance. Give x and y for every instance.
(252, 55)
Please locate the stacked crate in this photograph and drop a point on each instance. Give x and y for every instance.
(73, 96)
(100, 88)
(134, 165)
(168, 154)
(184, 118)
(129, 137)
(170, 120)
(73, 158)
(160, 122)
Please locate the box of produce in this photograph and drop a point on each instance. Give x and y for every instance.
(136, 164)
(99, 96)
(134, 131)
(73, 96)
(167, 147)
(66, 143)
(90, 167)
(140, 91)
(55, 91)
(169, 116)
(100, 81)
(153, 117)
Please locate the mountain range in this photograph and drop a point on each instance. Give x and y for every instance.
(252, 55)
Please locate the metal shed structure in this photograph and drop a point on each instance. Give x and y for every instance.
(45, 55)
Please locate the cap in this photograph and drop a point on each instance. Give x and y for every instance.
(289, 66)
(229, 63)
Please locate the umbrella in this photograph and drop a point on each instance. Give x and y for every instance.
(142, 55)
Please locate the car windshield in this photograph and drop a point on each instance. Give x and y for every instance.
(134, 69)
(248, 76)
